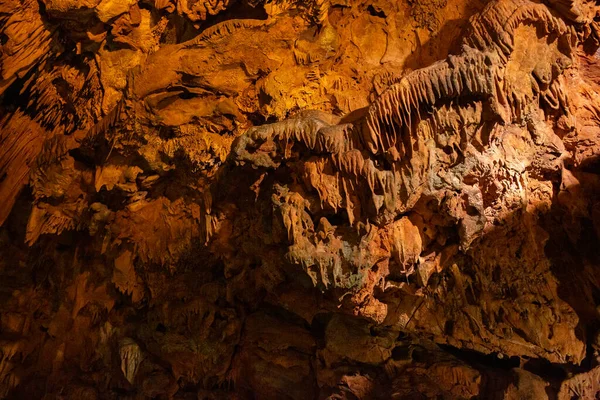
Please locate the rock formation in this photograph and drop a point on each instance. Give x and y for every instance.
(285, 199)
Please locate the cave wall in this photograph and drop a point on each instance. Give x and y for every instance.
(328, 199)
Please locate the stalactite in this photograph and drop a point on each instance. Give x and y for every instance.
(294, 200)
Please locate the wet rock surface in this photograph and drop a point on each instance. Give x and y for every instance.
(328, 199)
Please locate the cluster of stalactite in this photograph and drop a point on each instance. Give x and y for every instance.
(283, 199)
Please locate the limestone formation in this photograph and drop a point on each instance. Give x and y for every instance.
(328, 199)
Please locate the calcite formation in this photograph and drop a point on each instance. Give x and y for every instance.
(285, 199)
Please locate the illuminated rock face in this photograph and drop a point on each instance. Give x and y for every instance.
(325, 199)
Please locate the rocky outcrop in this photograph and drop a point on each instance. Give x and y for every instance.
(285, 199)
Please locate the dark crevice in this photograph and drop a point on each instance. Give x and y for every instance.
(483, 361)
(376, 13)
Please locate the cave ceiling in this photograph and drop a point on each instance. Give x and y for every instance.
(318, 199)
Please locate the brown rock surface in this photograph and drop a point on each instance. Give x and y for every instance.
(284, 199)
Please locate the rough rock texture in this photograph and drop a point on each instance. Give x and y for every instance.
(285, 199)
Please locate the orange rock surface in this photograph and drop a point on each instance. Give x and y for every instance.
(285, 199)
